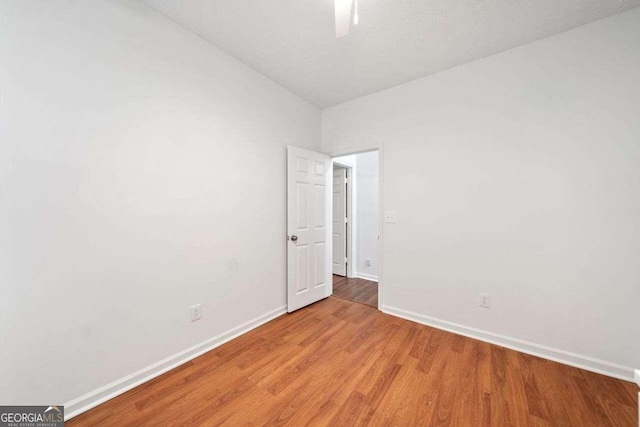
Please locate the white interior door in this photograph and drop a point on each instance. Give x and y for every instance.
(339, 237)
(309, 179)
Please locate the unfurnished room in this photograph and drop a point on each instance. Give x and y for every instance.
(319, 213)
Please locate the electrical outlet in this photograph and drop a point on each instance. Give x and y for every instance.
(368, 263)
(196, 312)
(390, 217)
(484, 300)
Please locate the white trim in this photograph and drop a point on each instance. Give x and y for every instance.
(572, 359)
(367, 277)
(94, 398)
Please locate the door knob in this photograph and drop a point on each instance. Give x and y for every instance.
(294, 238)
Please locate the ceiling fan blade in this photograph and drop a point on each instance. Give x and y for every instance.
(343, 17)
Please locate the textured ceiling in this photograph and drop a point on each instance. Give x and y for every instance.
(293, 41)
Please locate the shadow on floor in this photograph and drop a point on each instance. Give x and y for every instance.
(356, 290)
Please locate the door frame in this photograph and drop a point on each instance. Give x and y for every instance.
(351, 229)
(363, 148)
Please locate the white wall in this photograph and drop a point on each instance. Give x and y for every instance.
(367, 214)
(141, 171)
(517, 175)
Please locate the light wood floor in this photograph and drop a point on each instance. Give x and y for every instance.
(357, 290)
(341, 363)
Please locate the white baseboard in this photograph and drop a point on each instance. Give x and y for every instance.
(109, 391)
(572, 359)
(367, 277)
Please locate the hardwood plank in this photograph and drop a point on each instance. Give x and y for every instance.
(356, 290)
(338, 362)
(354, 412)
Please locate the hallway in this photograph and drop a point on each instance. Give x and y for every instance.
(356, 290)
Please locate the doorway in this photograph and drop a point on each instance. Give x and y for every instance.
(309, 236)
(355, 227)
(341, 208)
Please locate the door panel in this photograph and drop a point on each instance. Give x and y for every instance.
(309, 189)
(339, 226)
(302, 264)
